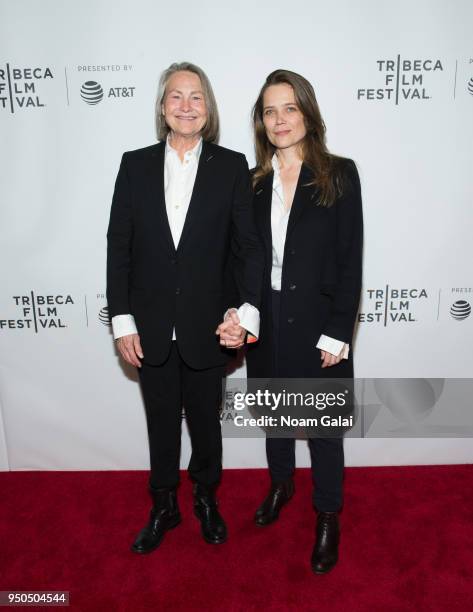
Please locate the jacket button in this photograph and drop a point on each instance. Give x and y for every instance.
(290, 320)
(178, 291)
(292, 252)
(292, 287)
(174, 260)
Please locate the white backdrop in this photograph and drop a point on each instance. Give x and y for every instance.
(395, 86)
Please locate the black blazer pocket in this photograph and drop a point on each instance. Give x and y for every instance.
(328, 289)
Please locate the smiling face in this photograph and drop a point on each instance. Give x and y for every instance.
(282, 119)
(184, 105)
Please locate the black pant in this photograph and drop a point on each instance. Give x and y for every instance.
(327, 457)
(166, 389)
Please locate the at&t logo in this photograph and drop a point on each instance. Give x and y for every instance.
(92, 92)
(460, 310)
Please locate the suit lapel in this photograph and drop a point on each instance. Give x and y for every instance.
(156, 177)
(303, 196)
(202, 179)
(263, 199)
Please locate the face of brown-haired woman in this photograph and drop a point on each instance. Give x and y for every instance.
(283, 121)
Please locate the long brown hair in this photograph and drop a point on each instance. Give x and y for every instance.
(324, 165)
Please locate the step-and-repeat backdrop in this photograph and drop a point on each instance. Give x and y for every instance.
(78, 82)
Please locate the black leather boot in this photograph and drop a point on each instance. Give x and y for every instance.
(212, 524)
(164, 516)
(325, 553)
(279, 495)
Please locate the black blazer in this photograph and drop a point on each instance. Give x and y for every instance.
(218, 262)
(321, 277)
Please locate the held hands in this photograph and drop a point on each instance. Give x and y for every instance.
(330, 360)
(232, 335)
(129, 348)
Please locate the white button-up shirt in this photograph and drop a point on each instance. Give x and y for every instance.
(179, 179)
(279, 220)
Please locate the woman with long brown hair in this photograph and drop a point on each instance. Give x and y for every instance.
(307, 205)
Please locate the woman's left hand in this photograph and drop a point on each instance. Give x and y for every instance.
(330, 360)
(232, 335)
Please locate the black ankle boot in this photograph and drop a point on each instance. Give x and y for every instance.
(325, 553)
(279, 495)
(212, 524)
(164, 516)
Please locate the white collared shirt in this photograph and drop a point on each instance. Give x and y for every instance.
(279, 221)
(179, 179)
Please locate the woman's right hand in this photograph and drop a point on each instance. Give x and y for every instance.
(329, 360)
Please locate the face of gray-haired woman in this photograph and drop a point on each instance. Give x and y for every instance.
(184, 105)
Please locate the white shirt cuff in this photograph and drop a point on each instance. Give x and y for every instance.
(249, 318)
(123, 325)
(326, 343)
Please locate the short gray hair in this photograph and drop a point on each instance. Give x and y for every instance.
(211, 129)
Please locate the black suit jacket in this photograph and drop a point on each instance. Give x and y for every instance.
(218, 262)
(321, 277)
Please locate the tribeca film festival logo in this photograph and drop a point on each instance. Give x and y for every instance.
(38, 312)
(401, 80)
(461, 309)
(20, 87)
(93, 92)
(390, 305)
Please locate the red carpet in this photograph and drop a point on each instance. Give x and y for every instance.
(406, 544)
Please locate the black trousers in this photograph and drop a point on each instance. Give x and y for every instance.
(327, 457)
(166, 389)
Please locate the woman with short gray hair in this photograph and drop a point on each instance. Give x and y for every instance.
(181, 211)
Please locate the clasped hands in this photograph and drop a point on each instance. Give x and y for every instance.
(232, 334)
